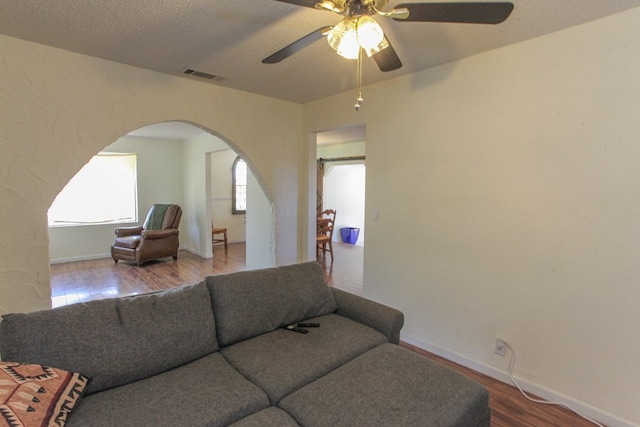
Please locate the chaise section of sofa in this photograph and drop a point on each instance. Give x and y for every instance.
(390, 385)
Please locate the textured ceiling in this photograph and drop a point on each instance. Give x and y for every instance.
(229, 38)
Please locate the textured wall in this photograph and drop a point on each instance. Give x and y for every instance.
(57, 109)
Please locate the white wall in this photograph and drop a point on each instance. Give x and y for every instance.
(60, 108)
(523, 223)
(344, 191)
(260, 226)
(347, 149)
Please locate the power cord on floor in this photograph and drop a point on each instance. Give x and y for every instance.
(512, 363)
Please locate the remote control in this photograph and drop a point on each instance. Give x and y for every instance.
(296, 329)
(308, 325)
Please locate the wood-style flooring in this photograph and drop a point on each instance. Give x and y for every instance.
(82, 281)
(97, 279)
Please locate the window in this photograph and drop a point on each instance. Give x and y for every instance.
(239, 186)
(103, 191)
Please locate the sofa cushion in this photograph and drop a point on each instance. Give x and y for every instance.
(282, 361)
(270, 417)
(36, 395)
(390, 385)
(249, 303)
(206, 392)
(115, 341)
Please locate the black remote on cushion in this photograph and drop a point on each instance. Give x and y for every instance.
(296, 329)
(308, 325)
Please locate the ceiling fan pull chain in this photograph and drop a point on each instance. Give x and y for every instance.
(359, 99)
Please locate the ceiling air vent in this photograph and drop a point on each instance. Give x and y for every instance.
(201, 74)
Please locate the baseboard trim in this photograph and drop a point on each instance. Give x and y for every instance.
(196, 252)
(108, 255)
(79, 258)
(601, 416)
(217, 245)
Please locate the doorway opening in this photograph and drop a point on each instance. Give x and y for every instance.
(341, 178)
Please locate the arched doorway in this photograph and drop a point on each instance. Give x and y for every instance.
(173, 166)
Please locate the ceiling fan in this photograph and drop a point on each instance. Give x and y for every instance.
(358, 32)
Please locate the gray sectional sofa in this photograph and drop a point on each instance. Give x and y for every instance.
(216, 353)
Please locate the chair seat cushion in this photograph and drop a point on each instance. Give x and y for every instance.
(391, 385)
(131, 242)
(282, 361)
(206, 392)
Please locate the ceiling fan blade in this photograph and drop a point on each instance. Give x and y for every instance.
(296, 46)
(387, 59)
(469, 13)
(305, 3)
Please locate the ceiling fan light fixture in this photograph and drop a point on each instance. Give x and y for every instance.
(351, 35)
(370, 34)
(343, 38)
(375, 49)
(327, 5)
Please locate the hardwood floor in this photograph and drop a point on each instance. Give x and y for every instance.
(347, 270)
(509, 408)
(97, 279)
(102, 278)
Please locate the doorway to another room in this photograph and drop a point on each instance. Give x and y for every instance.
(341, 179)
(340, 186)
(228, 222)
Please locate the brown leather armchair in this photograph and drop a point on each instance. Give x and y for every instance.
(157, 238)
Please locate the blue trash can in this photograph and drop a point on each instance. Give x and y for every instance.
(349, 235)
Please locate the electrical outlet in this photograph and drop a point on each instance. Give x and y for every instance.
(500, 347)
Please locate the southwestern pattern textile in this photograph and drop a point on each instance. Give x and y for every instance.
(35, 395)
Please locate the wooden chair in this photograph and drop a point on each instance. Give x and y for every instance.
(215, 239)
(324, 235)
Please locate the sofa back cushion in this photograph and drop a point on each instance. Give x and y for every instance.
(115, 341)
(250, 303)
